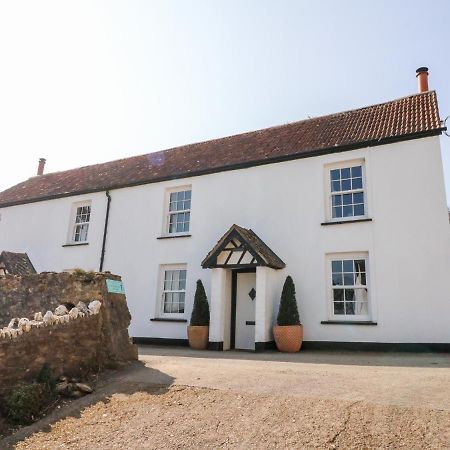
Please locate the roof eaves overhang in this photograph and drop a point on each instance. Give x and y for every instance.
(246, 165)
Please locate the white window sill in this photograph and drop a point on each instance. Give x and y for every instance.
(168, 319)
(352, 220)
(348, 322)
(75, 244)
(171, 236)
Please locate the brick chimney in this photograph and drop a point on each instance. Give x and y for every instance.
(422, 79)
(41, 166)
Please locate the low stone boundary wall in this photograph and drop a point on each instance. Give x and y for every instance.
(23, 296)
(72, 340)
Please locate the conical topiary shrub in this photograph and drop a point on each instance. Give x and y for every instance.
(288, 312)
(200, 311)
(198, 330)
(288, 332)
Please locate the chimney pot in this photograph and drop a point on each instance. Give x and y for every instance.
(422, 79)
(41, 166)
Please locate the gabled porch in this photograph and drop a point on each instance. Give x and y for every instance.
(242, 291)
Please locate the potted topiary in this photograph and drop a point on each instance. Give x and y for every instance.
(198, 330)
(288, 332)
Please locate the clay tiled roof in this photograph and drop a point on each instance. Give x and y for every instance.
(405, 118)
(16, 263)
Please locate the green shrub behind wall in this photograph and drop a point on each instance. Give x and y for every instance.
(47, 377)
(25, 401)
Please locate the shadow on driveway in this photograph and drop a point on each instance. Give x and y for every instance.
(343, 358)
(126, 381)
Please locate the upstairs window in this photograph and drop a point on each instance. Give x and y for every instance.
(179, 211)
(81, 220)
(349, 287)
(347, 192)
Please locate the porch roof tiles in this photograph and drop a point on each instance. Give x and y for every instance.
(262, 253)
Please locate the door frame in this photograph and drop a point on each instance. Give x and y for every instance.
(234, 274)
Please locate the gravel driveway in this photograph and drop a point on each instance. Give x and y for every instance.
(180, 398)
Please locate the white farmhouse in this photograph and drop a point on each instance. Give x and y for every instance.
(351, 205)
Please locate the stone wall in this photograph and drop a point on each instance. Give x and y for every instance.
(72, 344)
(22, 296)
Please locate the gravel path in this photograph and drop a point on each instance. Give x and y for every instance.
(179, 398)
(194, 418)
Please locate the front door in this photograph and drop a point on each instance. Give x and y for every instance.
(245, 310)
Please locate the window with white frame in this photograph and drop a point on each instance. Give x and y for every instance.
(349, 287)
(179, 211)
(81, 219)
(347, 192)
(173, 290)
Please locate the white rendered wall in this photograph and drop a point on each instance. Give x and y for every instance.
(266, 297)
(219, 330)
(408, 240)
(41, 229)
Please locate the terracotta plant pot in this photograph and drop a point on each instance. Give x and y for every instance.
(289, 338)
(198, 337)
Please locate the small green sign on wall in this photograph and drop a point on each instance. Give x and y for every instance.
(115, 287)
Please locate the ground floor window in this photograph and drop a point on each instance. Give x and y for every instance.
(173, 289)
(349, 287)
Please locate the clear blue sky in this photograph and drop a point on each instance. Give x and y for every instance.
(83, 82)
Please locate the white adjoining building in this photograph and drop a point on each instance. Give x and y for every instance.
(351, 205)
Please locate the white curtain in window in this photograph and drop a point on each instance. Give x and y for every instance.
(360, 298)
